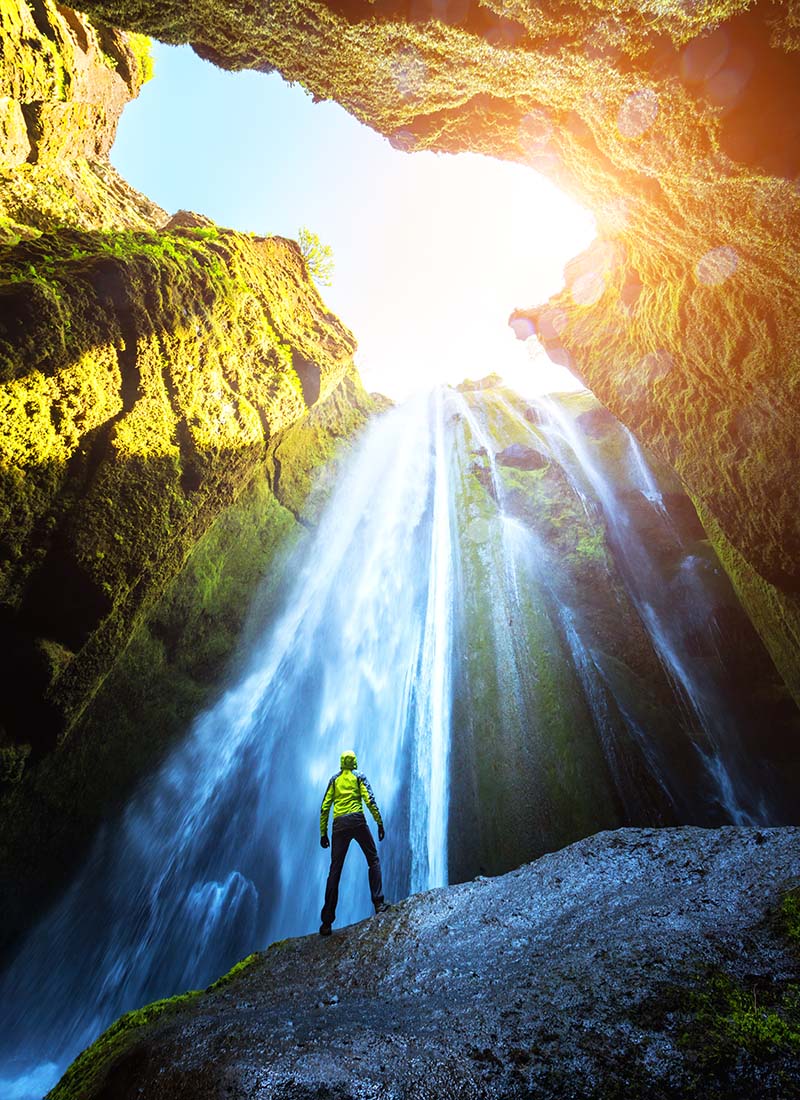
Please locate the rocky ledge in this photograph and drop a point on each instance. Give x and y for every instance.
(639, 963)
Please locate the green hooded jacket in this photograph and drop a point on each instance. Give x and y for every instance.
(345, 792)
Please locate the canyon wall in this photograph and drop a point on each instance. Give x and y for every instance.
(677, 124)
(169, 391)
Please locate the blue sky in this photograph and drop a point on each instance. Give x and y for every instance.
(432, 251)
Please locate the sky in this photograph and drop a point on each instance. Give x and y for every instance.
(431, 251)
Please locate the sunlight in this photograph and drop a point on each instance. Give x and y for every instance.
(467, 240)
(432, 252)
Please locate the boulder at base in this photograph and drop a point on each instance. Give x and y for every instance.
(640, 964)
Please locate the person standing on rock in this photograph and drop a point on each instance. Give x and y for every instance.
(345, 792)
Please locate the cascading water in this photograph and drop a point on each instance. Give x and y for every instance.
(731, 783)
(219, 853)
(492, 668)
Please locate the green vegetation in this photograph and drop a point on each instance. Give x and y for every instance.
(729, 1020)
(518, 702)
(86, 1073)
(318, 256)
(179, 651)
(142, 48)
(239, 968)
(790, 916)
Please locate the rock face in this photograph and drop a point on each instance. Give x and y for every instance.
(153, 382)
(143, 377)
(63, 85)
(520, 457)
(647, 963)
(177, 656)
(678, 126)
(582, 577)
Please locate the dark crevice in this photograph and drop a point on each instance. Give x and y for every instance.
(274, 476)
(310, 377)
(191, 463)
(41, 18)
(31, 113)
(73, 21)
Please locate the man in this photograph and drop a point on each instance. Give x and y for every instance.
(345, 791)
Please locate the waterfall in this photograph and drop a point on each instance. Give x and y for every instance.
(508, 685)
(429, 799)
(218, 853)
(704, 691)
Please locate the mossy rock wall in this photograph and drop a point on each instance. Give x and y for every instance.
(63, 85)
(143, 376)
(169, 392)
(182, 652)
(678, 126)
(567, 719)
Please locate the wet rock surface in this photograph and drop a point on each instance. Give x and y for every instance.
(64, 82)
(582, 974)
(520, 457)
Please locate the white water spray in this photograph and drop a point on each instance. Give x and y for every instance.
(218, 854)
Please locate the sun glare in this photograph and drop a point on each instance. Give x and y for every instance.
(469, 240)
(431, 252)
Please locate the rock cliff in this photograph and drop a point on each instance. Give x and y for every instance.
(656, 964)
(63, 85)
(565, 713)
(162, 381)
(678, 125)
(143, 376)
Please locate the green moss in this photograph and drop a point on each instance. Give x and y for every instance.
(85, 1075)
(175, 349)
(304, 461)
(592, 547)
(774, 613)
(176, 659)
(790, 915)
(237, 970)
(761, 1021)
(518, 701)
(142, 48)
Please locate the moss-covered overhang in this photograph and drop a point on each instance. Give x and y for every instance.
(142, 376)
(64, 82)
(678, 125)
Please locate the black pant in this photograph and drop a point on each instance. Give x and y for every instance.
(346, 828)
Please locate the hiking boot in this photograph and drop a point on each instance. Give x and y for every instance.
(382, 908)
(324, 930)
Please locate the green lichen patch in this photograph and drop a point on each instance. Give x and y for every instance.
(85, 1075)
(790, 915)
(237, 970)
(731, 1020)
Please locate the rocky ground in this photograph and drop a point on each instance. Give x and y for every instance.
(640, 964)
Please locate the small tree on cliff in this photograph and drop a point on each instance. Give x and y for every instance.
(318, 256)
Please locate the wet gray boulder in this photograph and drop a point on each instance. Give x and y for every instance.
(520, 457)
(635, 964)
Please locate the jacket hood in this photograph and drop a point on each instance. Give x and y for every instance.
(348, 760)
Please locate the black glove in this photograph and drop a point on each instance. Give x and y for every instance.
(324, 842)
(381, 832)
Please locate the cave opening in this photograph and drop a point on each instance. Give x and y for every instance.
(431, 251)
